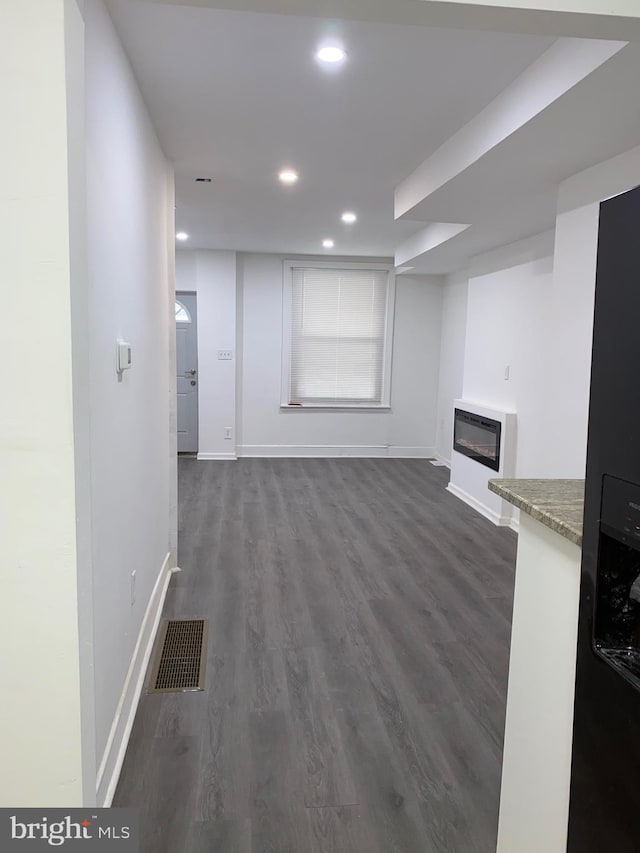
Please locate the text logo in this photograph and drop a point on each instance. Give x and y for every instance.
(70, 829)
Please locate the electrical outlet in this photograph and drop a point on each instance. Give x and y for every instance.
(133, 587)
(225, 354)
(228, 433)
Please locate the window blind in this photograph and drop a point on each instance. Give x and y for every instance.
(337, 335)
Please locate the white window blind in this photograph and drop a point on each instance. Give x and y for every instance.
(338, 323)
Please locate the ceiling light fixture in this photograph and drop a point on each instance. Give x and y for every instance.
(331, 54)
(328, 244)
(288, 176)
(182, 235)
(348, 217)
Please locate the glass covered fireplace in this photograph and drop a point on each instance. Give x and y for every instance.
(477, 437)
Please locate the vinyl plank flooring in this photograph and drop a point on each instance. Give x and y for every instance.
(180, 714)
(479, 688)
(327, 779)
(388, 799)
(428, 680)
(221, 836)
(359, 625)
(166, 814)
(136, 785)
(344, 829)
(278, 813)
(224, 767)
(341, 676)
(267, 680)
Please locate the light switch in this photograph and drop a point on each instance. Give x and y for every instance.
(225, 354)
(124, 356)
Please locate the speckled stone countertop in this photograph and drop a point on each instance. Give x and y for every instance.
(556, 503)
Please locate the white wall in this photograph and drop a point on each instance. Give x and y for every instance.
(496, 315)
(507, 325)
(571, 327)
(409, 428)
(212, 276)
(454, 329)
(44, 558)
(536, 765)
(241, 298)
(129, 214)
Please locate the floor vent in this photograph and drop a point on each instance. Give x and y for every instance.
(179, 664)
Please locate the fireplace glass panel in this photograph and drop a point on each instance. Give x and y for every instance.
(477, 437)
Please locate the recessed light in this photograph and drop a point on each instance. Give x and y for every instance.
(288, 176)
(348, 217)
(182, 235)
(331, 54)
(328, 244)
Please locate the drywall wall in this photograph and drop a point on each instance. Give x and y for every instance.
(454, 329)
(500, 361)
(536, 764)
(44, 536)
(128, 218)
(568, 344)
(571, 314)
(507, 325)
(408, 429)
(211, 275)
(240, 302)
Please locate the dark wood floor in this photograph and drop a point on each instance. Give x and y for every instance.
(357, 669)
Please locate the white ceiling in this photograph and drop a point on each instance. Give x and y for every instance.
(237, 96)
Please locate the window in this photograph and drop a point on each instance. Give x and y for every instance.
(337, 335)
(182, 315)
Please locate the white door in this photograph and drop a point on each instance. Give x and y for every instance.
(187, 372)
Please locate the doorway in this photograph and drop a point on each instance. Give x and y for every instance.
(187, 372)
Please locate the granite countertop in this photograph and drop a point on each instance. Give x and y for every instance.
(556, 503)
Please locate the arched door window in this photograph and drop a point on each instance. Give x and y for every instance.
(182, 314)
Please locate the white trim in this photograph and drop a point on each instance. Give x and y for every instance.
(285, 383)
(204, 457)
(498, 520)
(338, 407)
(398, 452)
(334, 451)
(113, 757)
(443, 460)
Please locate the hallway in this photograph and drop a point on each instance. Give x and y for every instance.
(359, 623)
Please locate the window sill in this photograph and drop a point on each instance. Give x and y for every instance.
(335, 407)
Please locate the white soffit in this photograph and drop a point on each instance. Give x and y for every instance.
(591, 19)
(426, 240)
(559, 69)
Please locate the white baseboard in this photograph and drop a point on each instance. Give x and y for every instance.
(474, 503)
(111, 764)
(335, 451)
(442, 460)
(411, 452)
(217, 456)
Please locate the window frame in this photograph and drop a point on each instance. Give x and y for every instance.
(387, 356)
